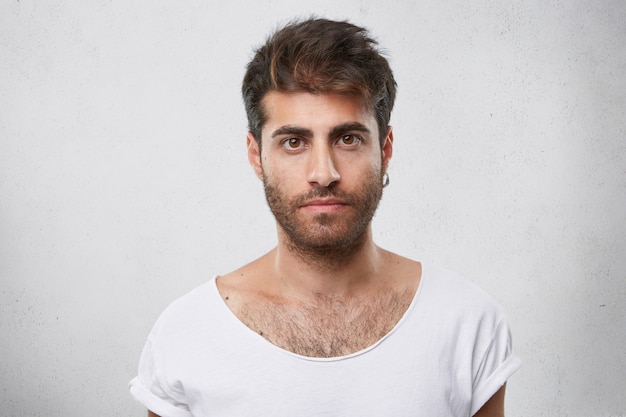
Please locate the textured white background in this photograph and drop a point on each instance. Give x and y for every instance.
(124, 183)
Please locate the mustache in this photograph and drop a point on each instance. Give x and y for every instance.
(323, 192)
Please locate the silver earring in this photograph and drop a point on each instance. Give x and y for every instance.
(385, 180)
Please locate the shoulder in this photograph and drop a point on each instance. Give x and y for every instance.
(462, 315)
(451, 294)
(453, 285)
(187, 311)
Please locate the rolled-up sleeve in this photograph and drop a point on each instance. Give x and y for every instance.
(494, 367)
(151, 389)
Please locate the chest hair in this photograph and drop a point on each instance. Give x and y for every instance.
(325, 327)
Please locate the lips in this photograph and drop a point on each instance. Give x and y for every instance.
(324, 204)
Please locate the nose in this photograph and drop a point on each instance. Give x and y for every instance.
(322, 168)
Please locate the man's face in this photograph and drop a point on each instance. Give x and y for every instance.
(321, 164)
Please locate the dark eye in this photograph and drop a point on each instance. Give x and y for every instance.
(348, 140)
(293, 143)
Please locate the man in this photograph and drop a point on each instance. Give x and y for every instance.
(327, 323)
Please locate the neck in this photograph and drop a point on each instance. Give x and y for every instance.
(327, 271)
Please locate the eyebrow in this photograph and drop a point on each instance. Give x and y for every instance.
(349, 127)
(335, 131)
(292, 130)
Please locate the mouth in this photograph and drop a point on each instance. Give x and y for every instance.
(324, 205)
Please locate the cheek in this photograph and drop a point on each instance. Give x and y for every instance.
(359, 167)
(279, 175)
(287, 169)
(267, 167)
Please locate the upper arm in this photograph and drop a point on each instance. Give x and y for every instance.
(494, 407)
(151, 414)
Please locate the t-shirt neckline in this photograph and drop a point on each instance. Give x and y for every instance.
(269, 345)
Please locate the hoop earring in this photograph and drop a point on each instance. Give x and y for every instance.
(385, 180)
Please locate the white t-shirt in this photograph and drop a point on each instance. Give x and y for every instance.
(448, 355)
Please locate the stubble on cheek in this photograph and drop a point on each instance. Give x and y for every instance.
(326, 236)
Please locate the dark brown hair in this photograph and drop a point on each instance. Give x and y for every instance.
(320, 56)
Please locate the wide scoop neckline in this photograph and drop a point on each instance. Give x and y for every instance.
(247, 332)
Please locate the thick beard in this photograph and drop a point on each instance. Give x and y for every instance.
(327, 241)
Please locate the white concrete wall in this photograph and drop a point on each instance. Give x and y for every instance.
(124, 183)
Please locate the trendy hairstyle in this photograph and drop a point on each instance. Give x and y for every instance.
(320, 56)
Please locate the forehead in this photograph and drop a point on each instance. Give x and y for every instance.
(313, 111)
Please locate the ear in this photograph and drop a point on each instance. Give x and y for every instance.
(387, 149)
(254, 155)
